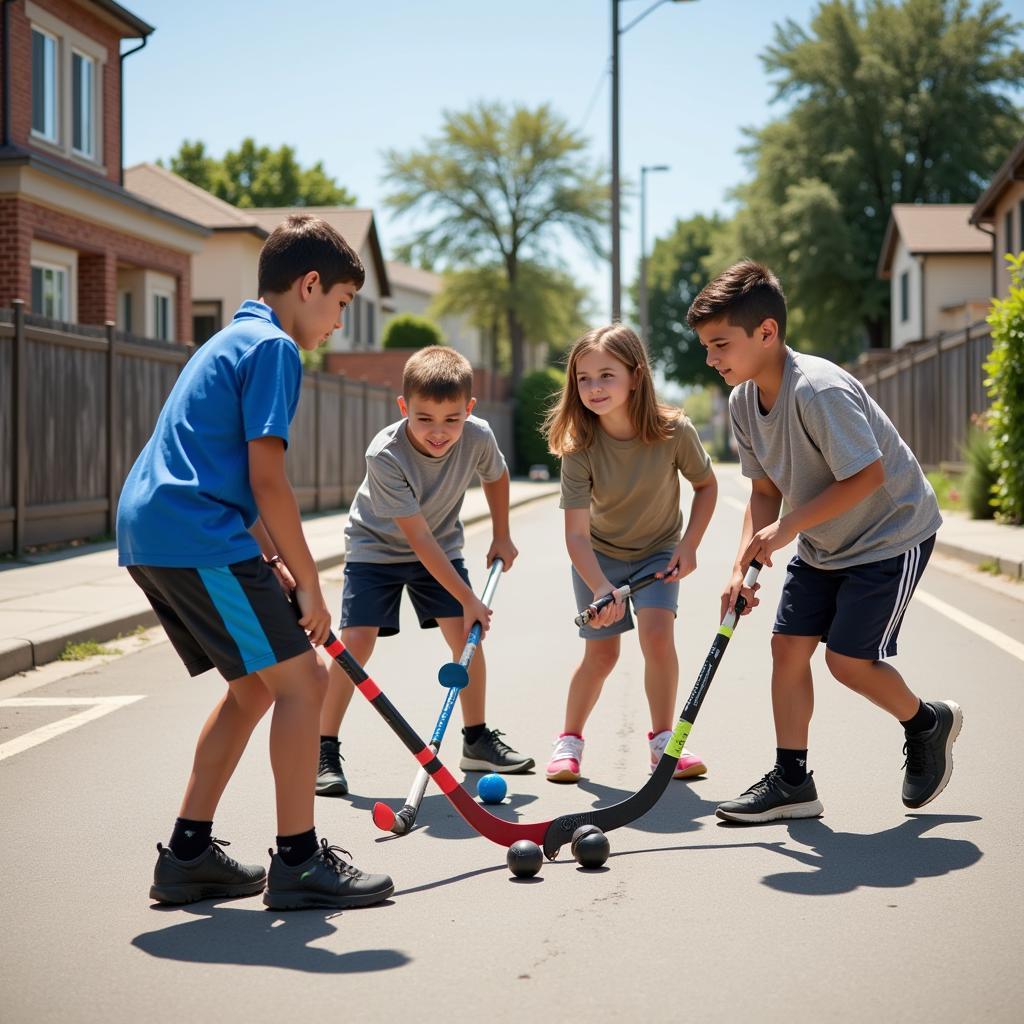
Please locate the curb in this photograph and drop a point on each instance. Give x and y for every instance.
(23, 655)
(976, 559)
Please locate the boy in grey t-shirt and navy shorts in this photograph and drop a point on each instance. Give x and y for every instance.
(404, 533)
(865, 519)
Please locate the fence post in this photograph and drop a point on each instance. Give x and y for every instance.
(940, 417)
(113, 410)
(341, 436)
(19, 382)
(912, 441)
(968, 370)
(317, 447)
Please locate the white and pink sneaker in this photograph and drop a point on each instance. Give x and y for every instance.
(690, 765)
(564, 765)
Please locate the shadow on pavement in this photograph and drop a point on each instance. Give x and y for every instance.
(845, 861)
(220, 934)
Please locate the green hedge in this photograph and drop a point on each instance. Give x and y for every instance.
(410, 331)
(1005, 383)
(536, 392)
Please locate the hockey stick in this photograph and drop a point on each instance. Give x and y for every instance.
(455, 676)
(624, 591)
(550, 834)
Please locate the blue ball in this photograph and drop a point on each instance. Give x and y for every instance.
(491, 789)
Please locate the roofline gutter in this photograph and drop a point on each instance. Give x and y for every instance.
(120, 99)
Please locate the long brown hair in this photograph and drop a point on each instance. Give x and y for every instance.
(571, 427)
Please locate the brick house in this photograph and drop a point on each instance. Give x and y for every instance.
(76, 245)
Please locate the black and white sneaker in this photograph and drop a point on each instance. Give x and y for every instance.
(325, 880)
(929, 762)
(490, 753)
(772, 799)
(211, 875)
(330, 776)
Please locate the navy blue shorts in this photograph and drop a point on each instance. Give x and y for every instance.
(373, 593)
(235, 618)
(856, 611)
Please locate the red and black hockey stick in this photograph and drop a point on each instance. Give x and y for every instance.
(552, 835)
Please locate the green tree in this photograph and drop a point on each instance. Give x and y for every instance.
(410, 331)
(676, 272)
(255, 175)
(891, 102)
(497, 187)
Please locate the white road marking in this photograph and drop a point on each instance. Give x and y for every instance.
(969, 622)
(95, 707)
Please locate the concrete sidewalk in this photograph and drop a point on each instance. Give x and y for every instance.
(48, 601)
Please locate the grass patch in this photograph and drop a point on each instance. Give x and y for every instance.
(949, 489)
(85, 649)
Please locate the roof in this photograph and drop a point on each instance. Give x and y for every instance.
(931, 228)
(172, 192)
(414, 279)
(355, 225)
(1011, 170)
(125, 17)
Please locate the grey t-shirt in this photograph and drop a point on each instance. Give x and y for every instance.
(401, 481)
(825, 427)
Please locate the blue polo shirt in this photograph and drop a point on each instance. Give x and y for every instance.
(187, 501)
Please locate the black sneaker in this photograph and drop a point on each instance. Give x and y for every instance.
(330, 777)
(213, 874)
(772, 799)
(491, 754)
(325, 880)
(929, 762)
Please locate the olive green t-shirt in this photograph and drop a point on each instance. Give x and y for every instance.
(632, 490)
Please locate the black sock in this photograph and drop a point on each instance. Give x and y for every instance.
(924, 720)
(297, 849)
(190, 838)
(473, 732)
(792, 764)
(334, 739)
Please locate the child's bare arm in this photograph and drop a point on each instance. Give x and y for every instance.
(497, 494)
(437, 563)
(279, 514)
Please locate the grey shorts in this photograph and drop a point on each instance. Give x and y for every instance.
(658, 595)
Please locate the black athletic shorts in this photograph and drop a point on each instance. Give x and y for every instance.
(235, 618)
(856, 611)
(373, 594)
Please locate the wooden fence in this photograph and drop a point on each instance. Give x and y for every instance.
(932, 390)
(77, 404)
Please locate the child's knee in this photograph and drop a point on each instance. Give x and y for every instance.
(847, 670)
(602, 656)
(788, 651)
(657, 640)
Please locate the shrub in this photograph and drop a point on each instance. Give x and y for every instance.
(1005, 383)
(981, 474)
(536, 391)
(410, 331)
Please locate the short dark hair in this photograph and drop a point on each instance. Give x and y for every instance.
(438, 373)
(303, 243)
(746, 294)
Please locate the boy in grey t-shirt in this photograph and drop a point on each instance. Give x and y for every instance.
(404, 532)
(865, 519)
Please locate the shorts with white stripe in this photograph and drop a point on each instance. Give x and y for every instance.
(857, 611)
(235, 618)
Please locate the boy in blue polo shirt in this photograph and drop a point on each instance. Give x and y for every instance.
(209, 529)
(865, 519)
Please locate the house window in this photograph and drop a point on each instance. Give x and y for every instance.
(1008, 230)
(44, 85)
(370, 325)
(904, 296)
(126, 312)
(162, 326)
(357, 321)
(83, 105)
(50, 291)
(206, 321)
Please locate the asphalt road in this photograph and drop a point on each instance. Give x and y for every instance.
(868, 913)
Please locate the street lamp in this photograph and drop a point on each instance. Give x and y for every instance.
(616, 32)
(645, 313)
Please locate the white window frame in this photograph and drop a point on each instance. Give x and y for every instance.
(59, 272)
(51, 102)
(158, 297)
(85, 109)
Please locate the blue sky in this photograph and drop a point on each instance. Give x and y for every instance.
(342, 82)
